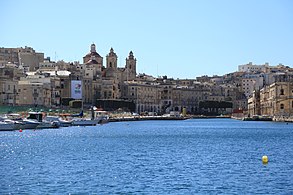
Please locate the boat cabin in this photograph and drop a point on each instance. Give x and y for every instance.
(35, 116)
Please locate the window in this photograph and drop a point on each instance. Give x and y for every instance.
(282, 106)
(282, 92)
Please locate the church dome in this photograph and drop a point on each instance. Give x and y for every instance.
(93, 52)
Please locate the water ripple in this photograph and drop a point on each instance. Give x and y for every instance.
(214, 156)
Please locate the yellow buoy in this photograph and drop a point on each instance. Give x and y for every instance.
(265, 159)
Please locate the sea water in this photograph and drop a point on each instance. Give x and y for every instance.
(196, 156)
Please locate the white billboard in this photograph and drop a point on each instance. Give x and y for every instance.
(76, 89)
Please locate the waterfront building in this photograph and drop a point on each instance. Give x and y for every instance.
(265, 102)
(275, 100)
(23, 68)
(281, 95)
(253, 107)
(188, 97)
(146, 96)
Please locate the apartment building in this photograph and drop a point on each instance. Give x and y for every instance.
(27, 57)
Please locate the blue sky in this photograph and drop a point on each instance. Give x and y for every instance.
(180, 39)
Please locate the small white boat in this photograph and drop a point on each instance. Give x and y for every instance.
(22, 123)
(43, 124)
(97, 117)
(62, 121)
(101, 116)
(7, 126)
(84, 122)
(28, 124)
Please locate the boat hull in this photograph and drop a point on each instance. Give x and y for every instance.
(47, 125)
(28, 124)
(84, 122)
(65, 124)
(8, 126)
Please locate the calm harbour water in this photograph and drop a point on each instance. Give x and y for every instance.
(200, 156)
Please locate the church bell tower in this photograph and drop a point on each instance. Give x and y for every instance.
(131, 66)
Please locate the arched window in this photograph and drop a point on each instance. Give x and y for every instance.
(282, 92)
(110, 64)
(281, 106)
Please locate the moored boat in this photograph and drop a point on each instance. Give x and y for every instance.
(43, 124)
(101, 116)
(258, 118)
(29, 124)
(62, 121)
(23, 123)
(84, 122)
(8, 126)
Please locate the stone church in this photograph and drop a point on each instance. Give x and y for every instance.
(105, 82)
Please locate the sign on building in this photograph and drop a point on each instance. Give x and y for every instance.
(76, 89)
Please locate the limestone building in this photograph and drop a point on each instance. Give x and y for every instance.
(43, 88)
(252, 82)
(27, 57)
(9, 75)
(279, 97)
(100, 82)
(275, 100)
(146, 96)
